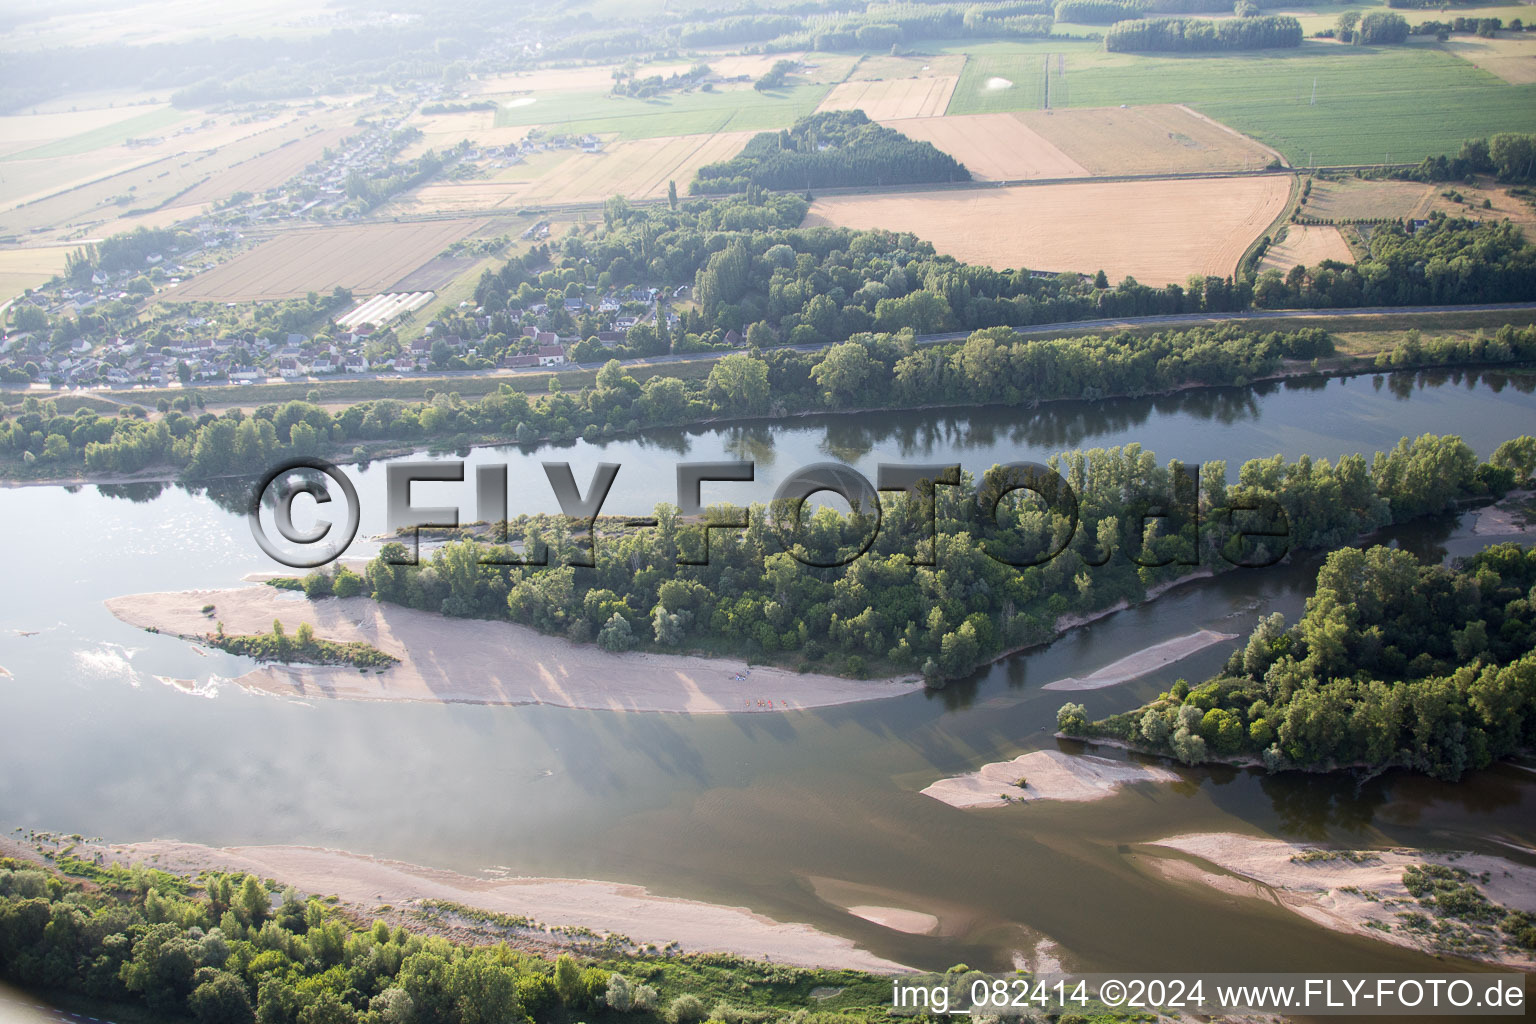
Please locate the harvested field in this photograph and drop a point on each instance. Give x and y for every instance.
(994, 147)
(267, 170)
(636, 169)
(434, 275)
(367, 258)
(1146, 140)
(1159, 232)
(1501, 205)
(893, 98)
(21, 269)
(1355, 199)
(21, 132)
(1513, 60)
(876, 67)
(1306, 245)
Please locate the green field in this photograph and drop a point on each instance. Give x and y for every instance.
(1024, 67)
(690, 113)
(107, 135)
(1373, 103)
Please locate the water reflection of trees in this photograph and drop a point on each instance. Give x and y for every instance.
(137, 493)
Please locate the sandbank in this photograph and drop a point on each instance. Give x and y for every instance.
(1342, 894)
(1050, 774)
(1148, 659)
(479, 661)
(645, 918)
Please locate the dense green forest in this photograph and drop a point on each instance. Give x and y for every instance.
(1511, 156)
(1002, 568)
(1185, 35)
(1098, 12)
(868, 371)
(1393, 664)
(215, 950)
(832, 149)
(1446, 261)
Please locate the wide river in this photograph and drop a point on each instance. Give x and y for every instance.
(759, 810)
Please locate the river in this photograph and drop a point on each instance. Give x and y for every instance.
(792, 815)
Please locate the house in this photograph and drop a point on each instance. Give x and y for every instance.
(574, 306)
(733, 338)
(546, 338)
(289, 368)
(551, 355)
(518, 362)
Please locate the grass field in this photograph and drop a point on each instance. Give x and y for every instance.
(365, 258)
(1158, 231)
(1405, 102)
(997, 82)
(19, 132)
(892, 98)
(692, 113)
(1306, 245)
(993, 147)
(1354, 199)
(113, 134)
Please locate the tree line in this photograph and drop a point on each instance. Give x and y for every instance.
(1186, 35)
(1509, 156)
(1098, 12)
(230, 948)
(1393, 664)
(831, 149)
(948, 579)
(868, 371)
(1445, 261)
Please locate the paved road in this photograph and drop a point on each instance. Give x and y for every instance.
(27, 1010)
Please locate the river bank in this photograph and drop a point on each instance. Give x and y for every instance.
(1360, 892)
(479, 661)
(1146, 660)
(378, 887)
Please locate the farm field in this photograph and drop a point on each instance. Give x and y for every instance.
(1403, 102)
(79, 195)
(1146, 140)
(365, 258)
(893, 98)
(1159, 232)
(693, 113)
(267, 170)
(994, 147)
(874, 67)
(21, 269)
(113, 133)
(1512, 59)
(19, 132)
(998, 82)
(1355, 199)
(635, 169)
(1306, 245)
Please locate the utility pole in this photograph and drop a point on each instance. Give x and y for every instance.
(1314, 92)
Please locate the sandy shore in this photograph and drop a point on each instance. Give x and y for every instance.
(1148, 659)
(1498, 520)
(369, 883)
(477, 661)
(1340, 893)
(1050, 774)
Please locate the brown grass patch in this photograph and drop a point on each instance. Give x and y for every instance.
(894, 98)
(365, 258)
(1358, 199)
(1159, 232)
(995, 147)
(1307, 245)
(1512, 59)
(21, 269)
(1146, 140)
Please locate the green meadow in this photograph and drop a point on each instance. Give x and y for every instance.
(1322, 102)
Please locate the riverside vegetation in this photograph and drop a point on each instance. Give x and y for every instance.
(1003, 569)
(143, 945)
(1393, 664)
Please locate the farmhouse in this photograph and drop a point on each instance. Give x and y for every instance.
(551, 355)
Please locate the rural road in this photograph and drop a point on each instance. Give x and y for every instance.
(16, 1009)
